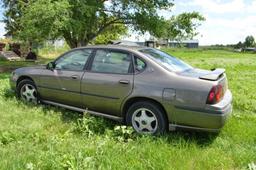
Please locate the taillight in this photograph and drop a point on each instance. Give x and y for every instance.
(215, 95)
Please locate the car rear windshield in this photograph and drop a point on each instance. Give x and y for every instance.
(169, 62)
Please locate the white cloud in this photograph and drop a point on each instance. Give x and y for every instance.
(226, 31)
(2, 30)
(220, 7)
(251, 7)
(227, 22)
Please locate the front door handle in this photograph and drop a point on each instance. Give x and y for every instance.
(124, 81)
(74, 77)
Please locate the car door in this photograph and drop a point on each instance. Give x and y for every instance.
(108, 81)
(62, 84)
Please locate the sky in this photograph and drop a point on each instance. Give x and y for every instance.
(2, 30)
(227, 21)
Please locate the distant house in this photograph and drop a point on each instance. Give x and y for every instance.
(186, 43)
(163, 42)
(166, 43)
(158, 43)
(249, 49)
(56, 43)
(151, 43)
(123, 42)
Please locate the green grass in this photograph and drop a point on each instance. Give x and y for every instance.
(44, 137)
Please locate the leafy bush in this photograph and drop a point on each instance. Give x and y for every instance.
(124, 133)
(90, 125)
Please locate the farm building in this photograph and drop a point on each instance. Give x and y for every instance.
(166, 43)
(186, 43)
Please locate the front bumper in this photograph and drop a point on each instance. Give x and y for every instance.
(12, 82)
(212, 118)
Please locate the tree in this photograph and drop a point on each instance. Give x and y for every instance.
(109, 34)
(81, 22)
(12, 16)
(43, 20)
(182, 26)
(239, 45)
(249, 41)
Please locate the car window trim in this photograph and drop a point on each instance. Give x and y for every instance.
(73, 50)
(146, 65)
(131, 66)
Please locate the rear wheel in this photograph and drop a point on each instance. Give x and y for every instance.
(26, 91)
(146, 118)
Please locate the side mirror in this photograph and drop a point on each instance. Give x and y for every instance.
(50, 66)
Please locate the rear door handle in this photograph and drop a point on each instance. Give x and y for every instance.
(74, 77)
(124, 81)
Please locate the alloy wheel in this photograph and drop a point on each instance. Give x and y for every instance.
(28, 93)
(144, 121)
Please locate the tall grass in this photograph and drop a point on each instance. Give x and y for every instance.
(46, 137)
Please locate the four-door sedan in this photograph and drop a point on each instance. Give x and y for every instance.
(143, 87)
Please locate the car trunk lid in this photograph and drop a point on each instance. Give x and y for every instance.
(209, 75)
(213, 75)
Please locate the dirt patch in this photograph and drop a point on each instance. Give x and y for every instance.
(7, 69)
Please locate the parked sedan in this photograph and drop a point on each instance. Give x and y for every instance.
(146, 88)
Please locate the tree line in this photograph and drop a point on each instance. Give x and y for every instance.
(83, 22)
(248, 42)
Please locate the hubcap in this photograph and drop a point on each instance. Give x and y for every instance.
(144, 121)
(28, 93)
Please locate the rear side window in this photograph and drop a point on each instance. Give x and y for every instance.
(106, 61)
(139, 65)
(169, 62)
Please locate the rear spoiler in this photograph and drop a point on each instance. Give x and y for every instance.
(214, 75)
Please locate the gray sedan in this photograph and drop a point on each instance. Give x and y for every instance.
(143, 87)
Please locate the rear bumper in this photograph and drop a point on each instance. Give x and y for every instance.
(212, 118)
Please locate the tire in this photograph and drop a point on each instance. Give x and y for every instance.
(27, 91)
(147, 118)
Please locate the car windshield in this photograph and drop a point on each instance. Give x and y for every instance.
(164, 59)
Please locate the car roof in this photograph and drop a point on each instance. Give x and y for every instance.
(118, 47)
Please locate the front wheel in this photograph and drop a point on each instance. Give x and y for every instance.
(146, 118)
(26, 91)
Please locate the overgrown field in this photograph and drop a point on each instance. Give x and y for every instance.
(45, 137)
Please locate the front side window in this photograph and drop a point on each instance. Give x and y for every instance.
(74, 60)
(167, 61)
(106, 61)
